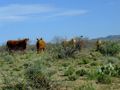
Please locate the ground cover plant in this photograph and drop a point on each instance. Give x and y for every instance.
(86, 69)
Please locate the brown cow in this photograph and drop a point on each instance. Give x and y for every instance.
(17, 44)
(41, 45)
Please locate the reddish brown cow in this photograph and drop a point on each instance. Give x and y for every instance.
(40, 45)
(17, 44)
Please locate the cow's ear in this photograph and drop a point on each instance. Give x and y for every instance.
(41, 39)
(37, 39)
(27, 39)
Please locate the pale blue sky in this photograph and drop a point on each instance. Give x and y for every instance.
(65, 18)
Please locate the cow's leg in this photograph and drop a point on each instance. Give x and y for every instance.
(37, 51)
(43, 49)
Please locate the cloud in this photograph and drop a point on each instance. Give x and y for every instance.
(72, 13)
(69, 13)
(16, 9)
(13, 18)
(18, 12)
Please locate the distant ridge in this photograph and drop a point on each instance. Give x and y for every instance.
(110, 37)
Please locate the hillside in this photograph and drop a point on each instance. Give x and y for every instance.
(110, 37)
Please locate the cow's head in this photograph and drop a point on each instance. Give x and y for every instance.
(26, 39)
(39, 39)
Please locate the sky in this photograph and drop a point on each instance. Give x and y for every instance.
(58, 18)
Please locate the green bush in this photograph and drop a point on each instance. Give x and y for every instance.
(86, 87)
(69, 71)
(72, 77)
(65, 64)
(19, 86)
(38, 75)
(112, 60)
(108, 69)
(38, 78)
(110, 48)
(117, 69)
(94, 64)
(9, 58)
(92, 74)
(104, 79)
(81, 72)
(83, 60)
(66, 52)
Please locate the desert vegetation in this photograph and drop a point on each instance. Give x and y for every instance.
(59, 68)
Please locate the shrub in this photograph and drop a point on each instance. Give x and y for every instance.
(9, 58)
(95, 55)
(110, 48)
(107, 69)
(38, 78)
(117, 69)
(83, 60)
(65, 64)
(86, 87)
(94, 64)
(19, 86)
(112, 60)
(66, 52)
(81, 72)
(104, 79)
(92, 74)
(38, 75)
(72, 77)
(54, 50)
(69, 71)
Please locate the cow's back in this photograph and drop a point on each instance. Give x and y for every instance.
(16, 44)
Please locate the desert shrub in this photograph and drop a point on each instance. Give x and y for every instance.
(54, 50)
(117, 69)
(81, 72)
(110, 48)
(92, 74)
(65, 64)
(51, 72)
(37, 78)
(105, 72)
(112, 60)
(104, 79)
(83, 60)
(94, 64)
(38, 75)
(3, 48)
(107, 69)
(26, 65)
(87, 86)
(66, 52)
(69, 71)
(19, 86)
(72, 77)
(95, 55)
(58, 51)
(9, 58)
